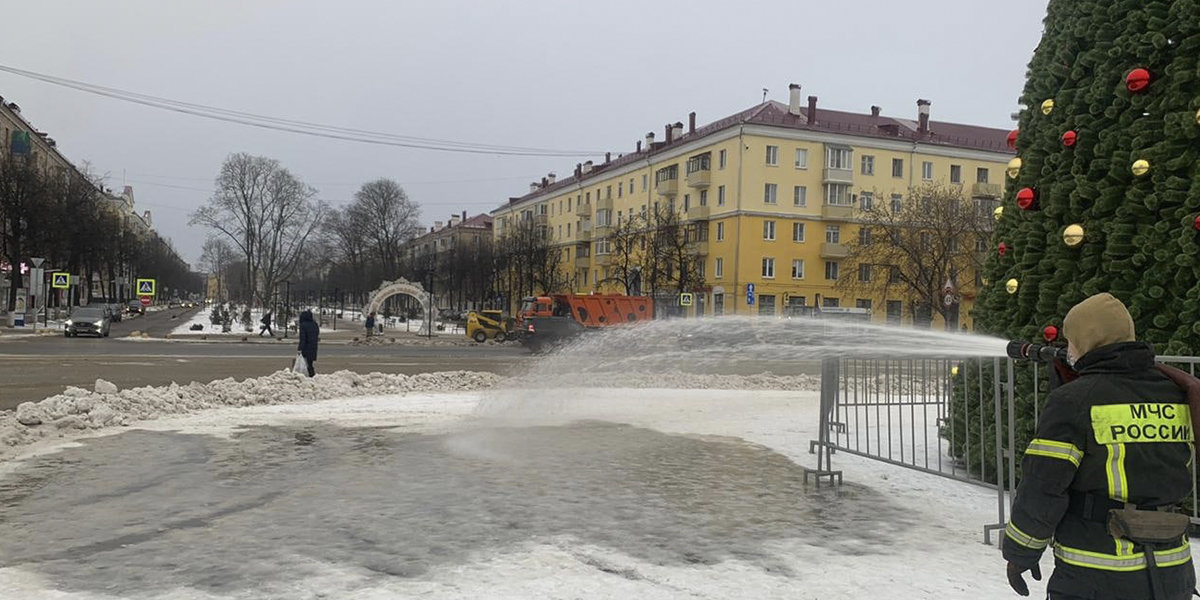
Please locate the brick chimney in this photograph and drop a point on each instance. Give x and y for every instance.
(812, 110)
(794, 99)
(639, 146)
(607, 157)
(923, 117)
(578, 170)
(464, 214)
(692, 122)
(667, 133)
(875, 111)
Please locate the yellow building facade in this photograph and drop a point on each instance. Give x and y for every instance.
(771, 194)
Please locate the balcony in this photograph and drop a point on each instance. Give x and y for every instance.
(583, 209)
(602, 231)
(840, 212)
(699, 179)
(583, 262)
(583, 235)
(838, 175)
(602, 260)
(541, 219)
(830, 250)
(605, 204)
(985, 190)
(698, 247)
(667, 187)
(696, 213)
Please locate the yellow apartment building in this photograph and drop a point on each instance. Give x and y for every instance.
(770, 194)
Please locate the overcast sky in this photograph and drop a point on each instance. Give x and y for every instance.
(548, 74)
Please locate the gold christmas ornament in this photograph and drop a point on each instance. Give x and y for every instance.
(1011, 286)
(1073, 235)
(984, 280)
(954, 371)
(1141, 166)
(1014, 168)
(999, 212)
(1047, 106)
(1198, 116)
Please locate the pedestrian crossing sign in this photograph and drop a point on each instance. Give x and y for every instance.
(145, 287)
(60, 281)
(685, 299)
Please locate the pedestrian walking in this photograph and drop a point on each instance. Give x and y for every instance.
(266, 325)
(309, 334)
(370, 324)
(1106, 471)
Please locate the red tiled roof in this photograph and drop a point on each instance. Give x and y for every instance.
(775, 114)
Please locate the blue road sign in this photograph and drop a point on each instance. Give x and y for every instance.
(749, 293)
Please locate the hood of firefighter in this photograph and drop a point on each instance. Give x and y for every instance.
(1098, 321)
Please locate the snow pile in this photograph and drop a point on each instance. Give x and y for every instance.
(80, 409)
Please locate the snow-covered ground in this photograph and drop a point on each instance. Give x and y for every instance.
(350, 321)
(550, 493)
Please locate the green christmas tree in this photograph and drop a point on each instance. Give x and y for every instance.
(1123, 77)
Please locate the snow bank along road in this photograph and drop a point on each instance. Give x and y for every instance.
(453, 486)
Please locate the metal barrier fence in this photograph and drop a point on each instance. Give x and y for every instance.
(948, 417)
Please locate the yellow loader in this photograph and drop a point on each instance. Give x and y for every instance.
(486, 324)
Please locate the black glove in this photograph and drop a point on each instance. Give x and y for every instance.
(1017, 582)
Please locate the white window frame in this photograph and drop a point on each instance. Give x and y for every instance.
(797, 268)
(926, 170)
(833, 234)
(842, 199)
(720, 159)
(768, 267)
(838, 158)
(769, 230)
(836, 268)
(772, 156)
(801, 160)
(864, 269)
(720, 195)
(868, 164)
(721, 231)
(898, 162)
(771, 193)
(718, 267)
(800, 196)
(954, 179)
(897, 204)
(798, 231)
(866, 200)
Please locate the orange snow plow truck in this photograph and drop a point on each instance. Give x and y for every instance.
(547, 321)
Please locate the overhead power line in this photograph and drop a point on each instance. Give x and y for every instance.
(296, 126)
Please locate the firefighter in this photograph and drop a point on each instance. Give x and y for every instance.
(1107, 468)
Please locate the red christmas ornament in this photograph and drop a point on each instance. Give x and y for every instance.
(1197, 224)
(1025, 198)
(1068, 138)
(1137, 80)
(1002, 248)
(1050, 333)
(1012, 139)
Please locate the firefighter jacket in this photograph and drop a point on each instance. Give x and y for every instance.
(1122, 433)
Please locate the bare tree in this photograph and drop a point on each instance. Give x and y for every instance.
(267, 213)
(528, 262)
(922, 249)
(217, 257)
(386, 218)
(23, 191)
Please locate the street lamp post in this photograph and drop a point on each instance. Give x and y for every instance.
(287, 308)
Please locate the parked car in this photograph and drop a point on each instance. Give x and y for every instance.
(87, 320)
(115, 312)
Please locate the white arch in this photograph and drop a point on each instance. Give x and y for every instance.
(388, 289)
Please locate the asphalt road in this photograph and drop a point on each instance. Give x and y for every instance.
(32, 368)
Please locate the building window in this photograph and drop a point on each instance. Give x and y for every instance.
(721, 159)
(864, 273)
(868, 164)
(769, 193)
(801, 158)
(620, 190)
(866, 200)
(768, 268)
(837, 158)
(927, 171)
(831, 270)
(769, 230)
(831, 302)
(631, 186)
(863, 303)
(797, 232)
(720, 195)
(687, 202)
(720, 231)
(864, 236)
(897, 167)
(773, 156)
(955, 173)
(897, 203)
(926, 240)
(837, 194)
(833, 234)
(800, 196)
(894, 275)
(894, 309)
(798, 268)
(568, 230)
(703, 197)
(644, 178)
(981, 175)
(718, 268)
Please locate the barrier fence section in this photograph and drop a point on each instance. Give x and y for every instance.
(949, 417)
